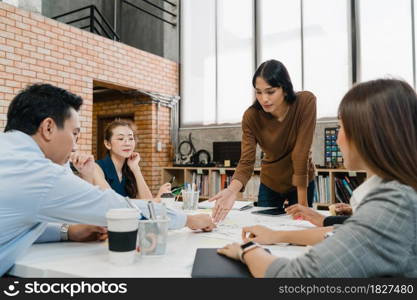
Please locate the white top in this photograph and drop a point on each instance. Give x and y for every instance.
(361, 191)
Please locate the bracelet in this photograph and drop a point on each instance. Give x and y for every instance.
(246, 248)
(242, 259)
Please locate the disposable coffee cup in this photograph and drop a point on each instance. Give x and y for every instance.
(122, 228)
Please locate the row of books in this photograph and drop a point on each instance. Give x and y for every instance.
(222, 181)
(344, 187)
(201, 182)
(219, 182)
(252, 188)
(322, 191)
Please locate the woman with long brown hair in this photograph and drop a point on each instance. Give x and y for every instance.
(378, 134)
(120, 167)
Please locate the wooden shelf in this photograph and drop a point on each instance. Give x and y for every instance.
(332, 174)
(184, 174)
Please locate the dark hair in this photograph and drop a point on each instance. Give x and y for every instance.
(131, 185)
(276, 75)
(380, 119)
(38, 102)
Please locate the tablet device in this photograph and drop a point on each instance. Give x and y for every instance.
(271, 211)
(209, 264)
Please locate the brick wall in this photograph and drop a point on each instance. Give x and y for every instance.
(34, 48)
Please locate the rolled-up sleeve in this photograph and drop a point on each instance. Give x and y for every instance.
(301, 151)
(246, 164)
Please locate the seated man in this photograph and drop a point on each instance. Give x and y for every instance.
(36, 188)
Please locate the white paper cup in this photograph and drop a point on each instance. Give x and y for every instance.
(122, 227)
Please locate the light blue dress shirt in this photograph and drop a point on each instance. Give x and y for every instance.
(34, 191)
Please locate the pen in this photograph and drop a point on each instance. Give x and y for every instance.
(246, 207)
(131, 204)
(151, 208)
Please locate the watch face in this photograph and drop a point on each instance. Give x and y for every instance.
(246, 245)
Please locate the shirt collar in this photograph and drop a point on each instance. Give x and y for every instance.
(28, 140)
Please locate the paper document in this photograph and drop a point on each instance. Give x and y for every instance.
(236, 206)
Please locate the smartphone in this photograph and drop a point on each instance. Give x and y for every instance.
(271, 211)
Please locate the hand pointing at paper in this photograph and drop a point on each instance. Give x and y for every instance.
(225, 200)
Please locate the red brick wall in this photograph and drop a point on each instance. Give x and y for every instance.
(34, 48)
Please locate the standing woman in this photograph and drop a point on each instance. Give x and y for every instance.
(120, 167)
(282, 123)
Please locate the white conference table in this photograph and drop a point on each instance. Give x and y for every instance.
(70, 259)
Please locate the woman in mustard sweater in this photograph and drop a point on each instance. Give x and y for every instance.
(282, 123)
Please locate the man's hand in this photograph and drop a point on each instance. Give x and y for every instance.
(164, 189)
(86, 233)
(84, 163)
(200, 221)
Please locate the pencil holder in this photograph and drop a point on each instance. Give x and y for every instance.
(152, 237)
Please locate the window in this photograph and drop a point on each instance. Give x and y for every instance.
(235, 59)
(385, 39)
(279, 35)
(198, 62)
(327, 56)
(312, 38)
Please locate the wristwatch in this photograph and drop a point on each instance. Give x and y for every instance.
(246, 247)
(63, 232)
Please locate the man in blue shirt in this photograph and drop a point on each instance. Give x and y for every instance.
(36, 188)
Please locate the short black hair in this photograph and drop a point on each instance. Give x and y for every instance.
(276, 75)
(37, 102)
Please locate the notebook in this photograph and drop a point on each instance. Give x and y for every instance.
(209, 264)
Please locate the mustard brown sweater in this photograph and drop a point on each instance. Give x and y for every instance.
(287, 144)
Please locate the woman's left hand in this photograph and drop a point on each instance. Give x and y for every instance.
(230, 250)
(133, 161)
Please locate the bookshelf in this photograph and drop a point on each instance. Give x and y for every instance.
(209, 181)
(336, 185)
